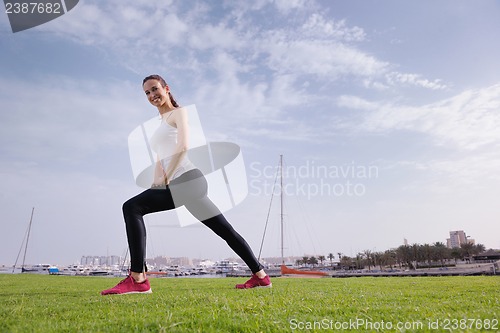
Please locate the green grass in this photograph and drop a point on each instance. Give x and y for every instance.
(41, 303)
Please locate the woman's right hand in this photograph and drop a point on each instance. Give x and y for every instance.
(157, 186)
(159, 176)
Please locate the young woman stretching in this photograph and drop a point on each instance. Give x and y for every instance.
(175, 178)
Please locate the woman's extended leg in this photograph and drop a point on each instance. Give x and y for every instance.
(218, 224)
(192, 193)
(203, 208)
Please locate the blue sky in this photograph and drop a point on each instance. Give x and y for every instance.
(409, 89)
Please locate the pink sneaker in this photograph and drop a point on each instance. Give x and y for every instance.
(256, 282)
(129, 286)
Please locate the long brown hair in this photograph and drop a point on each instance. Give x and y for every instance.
(163, 84)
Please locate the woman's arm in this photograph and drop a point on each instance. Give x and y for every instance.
(180, 121)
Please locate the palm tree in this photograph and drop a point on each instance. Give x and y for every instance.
(416, 254)
(478, 248)
(321, 259)
(378, 259)
(390, 257)
(467, 250)
(426, 251)
(331, 256)
(313, 261)
(441, 252)
(359, 261)
(403, 256)
(456, 254)
(368, 257)
(305, 260)
(346, 262)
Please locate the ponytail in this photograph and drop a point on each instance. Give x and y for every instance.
(172, 99)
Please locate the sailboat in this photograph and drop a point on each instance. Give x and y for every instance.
(27, 238)
(285, 270)
(40, 268)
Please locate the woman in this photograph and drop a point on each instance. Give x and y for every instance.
(177, 182)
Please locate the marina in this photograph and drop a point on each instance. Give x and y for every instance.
(226, 268)
(485, 263)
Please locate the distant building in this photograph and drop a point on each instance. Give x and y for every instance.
(457, 238)
(170, 261)
(100, 260)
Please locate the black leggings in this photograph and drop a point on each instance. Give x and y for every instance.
(189, 190)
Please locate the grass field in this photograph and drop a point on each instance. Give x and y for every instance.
(42, 303)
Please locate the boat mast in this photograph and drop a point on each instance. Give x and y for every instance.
(281, 207)
(27, 238)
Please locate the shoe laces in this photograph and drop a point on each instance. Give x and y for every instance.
(124, 280)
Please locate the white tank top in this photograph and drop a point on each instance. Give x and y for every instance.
(163, 143)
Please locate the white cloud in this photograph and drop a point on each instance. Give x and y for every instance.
(226, 65)
(472, 170)
(285, 6)
(469, 120)
(319, 27)
(463, 163)
(121, 25)
(394, 78)
(355, 102)
(325, 59)
(215, 36)
(232, 100)
(66, 119)
(179, 39)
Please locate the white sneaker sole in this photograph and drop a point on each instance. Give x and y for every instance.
(268, 286)
(136, 292)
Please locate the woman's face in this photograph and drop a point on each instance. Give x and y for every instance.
(156, 94)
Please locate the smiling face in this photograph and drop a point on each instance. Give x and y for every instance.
(156, 93)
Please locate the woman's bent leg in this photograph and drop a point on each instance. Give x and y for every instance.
(149, 201)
